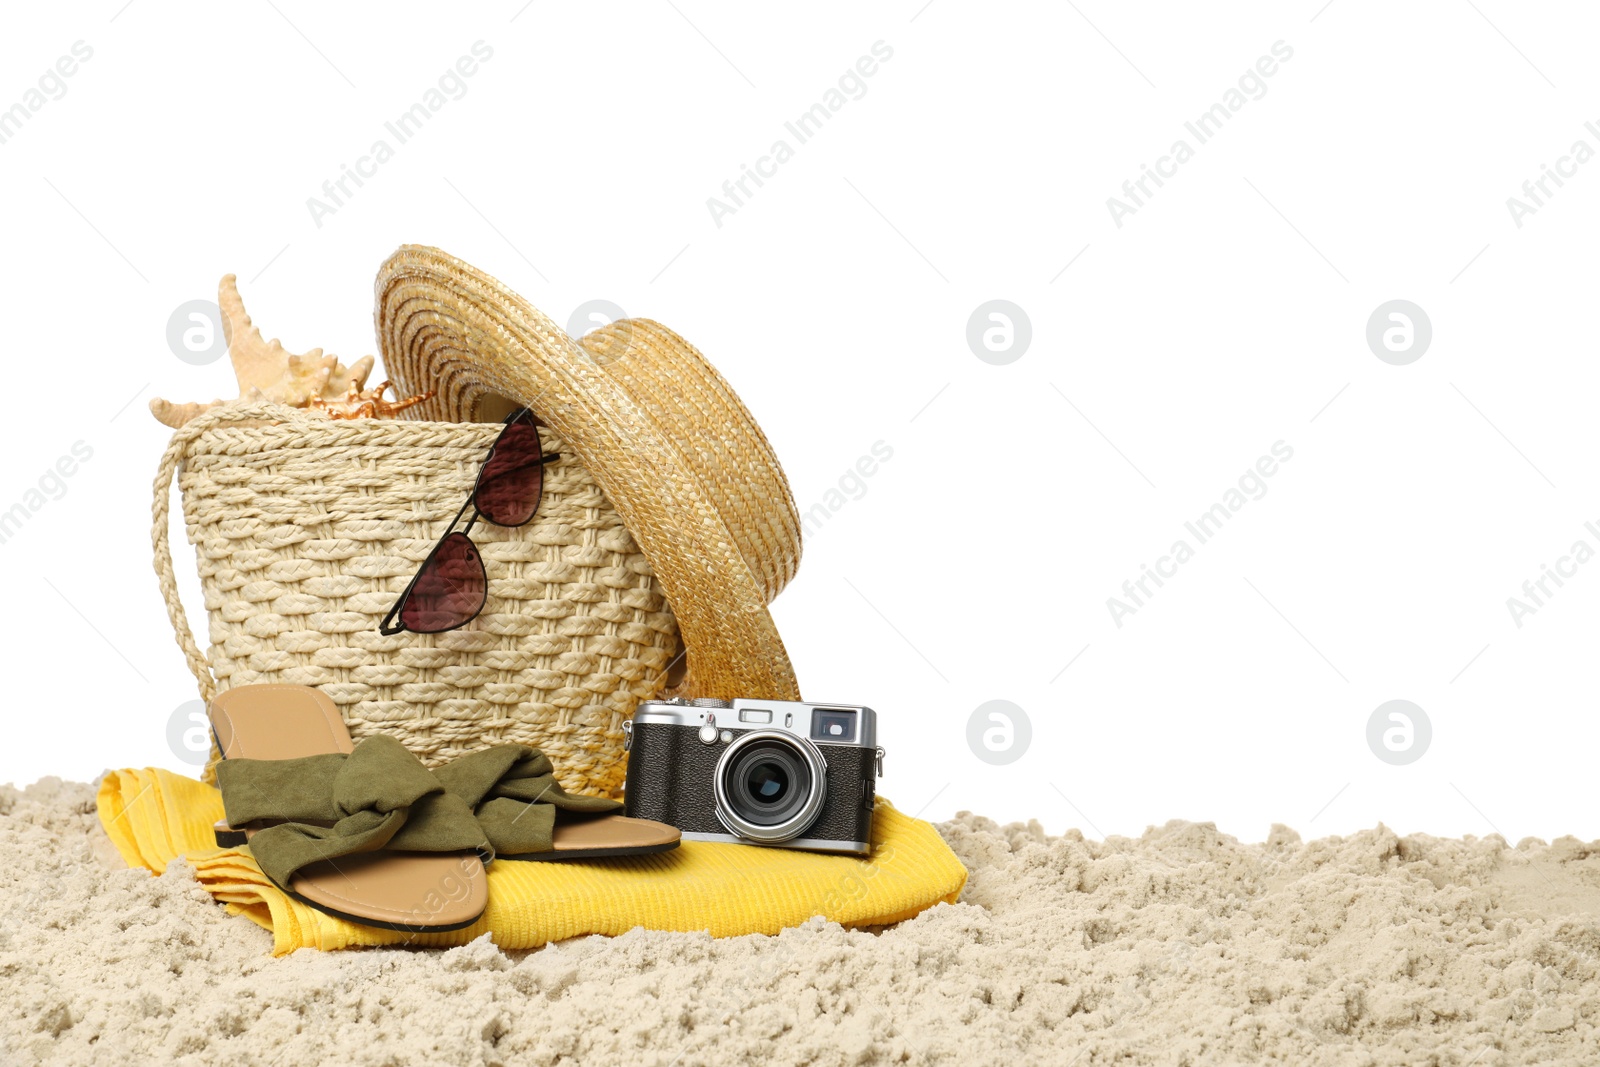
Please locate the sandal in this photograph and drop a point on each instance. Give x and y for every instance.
(526, 815)
(362, 832)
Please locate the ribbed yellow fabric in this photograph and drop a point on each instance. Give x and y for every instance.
(154, 816)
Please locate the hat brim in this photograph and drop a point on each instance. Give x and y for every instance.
(677, 454)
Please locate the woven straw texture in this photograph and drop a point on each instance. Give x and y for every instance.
(307, 528)
(663, 433)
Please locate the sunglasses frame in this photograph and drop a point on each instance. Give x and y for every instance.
(392, 624)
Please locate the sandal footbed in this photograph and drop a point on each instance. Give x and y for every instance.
(386, 889)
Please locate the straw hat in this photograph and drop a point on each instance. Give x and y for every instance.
(665, 436)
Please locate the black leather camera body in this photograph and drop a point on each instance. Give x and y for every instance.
(785, 774)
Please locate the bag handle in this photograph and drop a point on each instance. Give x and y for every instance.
(254, 412)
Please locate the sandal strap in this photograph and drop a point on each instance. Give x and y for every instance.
(513, 792)
(378, 796)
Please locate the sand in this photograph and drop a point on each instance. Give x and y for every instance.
(1181, 947)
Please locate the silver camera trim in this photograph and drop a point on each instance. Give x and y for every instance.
(680, 712)
(843, 848)
(797, 823)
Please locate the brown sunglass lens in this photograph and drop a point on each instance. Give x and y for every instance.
(449, 590)
(512, 480)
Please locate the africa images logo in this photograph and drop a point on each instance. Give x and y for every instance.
(51, 85)
(1252, 85)
(803, 128)
(451, 85)
(1251, 485)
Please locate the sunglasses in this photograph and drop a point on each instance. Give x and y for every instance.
(451, 585)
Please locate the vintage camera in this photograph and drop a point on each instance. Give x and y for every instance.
(787, 774)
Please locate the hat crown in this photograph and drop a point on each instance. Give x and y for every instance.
(679, 455)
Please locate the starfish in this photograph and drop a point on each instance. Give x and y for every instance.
(361, 403)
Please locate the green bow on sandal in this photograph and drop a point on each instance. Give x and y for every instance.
(513, 793)
(318, 809)
(367, 833)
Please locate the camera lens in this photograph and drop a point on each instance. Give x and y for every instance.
(772, 781)
(768, 788)
(766, 783)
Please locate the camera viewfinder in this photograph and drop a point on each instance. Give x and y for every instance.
(833, 724)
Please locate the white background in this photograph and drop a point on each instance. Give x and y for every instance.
(1227, 314)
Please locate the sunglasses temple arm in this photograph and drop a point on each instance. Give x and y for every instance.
(548, 457)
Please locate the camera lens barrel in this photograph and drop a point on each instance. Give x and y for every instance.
(770, 786)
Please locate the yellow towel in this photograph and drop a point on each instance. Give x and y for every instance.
(154, 816)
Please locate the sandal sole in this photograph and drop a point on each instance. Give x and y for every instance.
(589, 854)
(238, 838)
(359, 921)
(231, 838)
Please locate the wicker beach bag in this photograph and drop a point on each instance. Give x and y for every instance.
(664, 531)
(305, 530)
